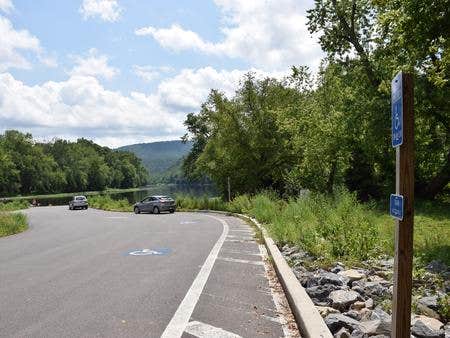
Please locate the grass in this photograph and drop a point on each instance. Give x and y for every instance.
(105, 202)
(331, 228)
(13, 205)
(12, 223)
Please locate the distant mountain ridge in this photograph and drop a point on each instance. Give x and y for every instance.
(162, 159)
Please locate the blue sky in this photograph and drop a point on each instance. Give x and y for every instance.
(122, 72)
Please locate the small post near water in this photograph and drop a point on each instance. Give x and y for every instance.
(402, 202)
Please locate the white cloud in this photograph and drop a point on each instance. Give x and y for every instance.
(6, 6)
(107, 10)
(81, 107)
(150, 73)
(14, 41)
(269, 34)
(93, 64)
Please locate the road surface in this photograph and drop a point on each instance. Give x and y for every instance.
(93, 273)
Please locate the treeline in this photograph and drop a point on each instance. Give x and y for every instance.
(30, 167)
(317, 132)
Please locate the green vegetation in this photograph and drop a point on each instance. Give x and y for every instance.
(28, 167)
(105, 202)
(13, 205)
(338, 226)
(162, 159)
(333, 129)
(12, 223)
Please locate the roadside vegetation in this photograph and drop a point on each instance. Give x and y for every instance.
(12, 223)
(105, 202)
(13, 205)
(338, 226)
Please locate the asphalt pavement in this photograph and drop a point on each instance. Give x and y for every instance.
(92, 273)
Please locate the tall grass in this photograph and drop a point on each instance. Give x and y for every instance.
(105, 202)
(13, 205)
(12, 223)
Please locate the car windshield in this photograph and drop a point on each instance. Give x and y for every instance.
(164, 198)
(80, 198)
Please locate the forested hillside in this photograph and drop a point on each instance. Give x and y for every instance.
(332, 129)
(162, 159)
(29, 167)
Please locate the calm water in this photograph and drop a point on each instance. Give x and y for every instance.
(161, 189)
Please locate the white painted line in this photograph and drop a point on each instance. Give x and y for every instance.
(248, 253)
(180, 319)
(202, 330)
(241, 238)
(233, 260)
(239, 241)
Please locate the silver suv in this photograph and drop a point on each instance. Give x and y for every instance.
(155, 204)
(80, 202)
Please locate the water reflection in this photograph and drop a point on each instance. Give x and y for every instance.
(134, 196)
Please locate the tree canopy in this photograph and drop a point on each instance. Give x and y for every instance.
(334, 128)
(28, 167)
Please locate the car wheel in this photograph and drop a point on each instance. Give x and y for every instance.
(156, 210)
(86, 207)
(136, 210)
(70, 207)
(172, 211)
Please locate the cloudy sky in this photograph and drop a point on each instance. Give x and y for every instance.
(128, 71)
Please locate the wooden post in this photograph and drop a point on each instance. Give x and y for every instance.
(404, 185)
(229, 189)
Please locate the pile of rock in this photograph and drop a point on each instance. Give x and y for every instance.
(350, 300)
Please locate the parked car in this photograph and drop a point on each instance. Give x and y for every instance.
(78, 202)
(155, 205)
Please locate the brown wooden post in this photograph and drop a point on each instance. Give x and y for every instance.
(401, 303)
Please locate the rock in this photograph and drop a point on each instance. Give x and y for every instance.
(328, 278)
(447, 330)
(342, 299)
(358, 305)
(353, 314)
(321, 292)
(342, 333)
(365, 314)
(369, 303)
(385, 320)
(326, 310)
(337, 268)
(352, 274)
(302, 276)
(337, 321)
(430, 302)
(437, 267)
(372, 289)
(426, 327)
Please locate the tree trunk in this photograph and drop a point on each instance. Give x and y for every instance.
(330, 181)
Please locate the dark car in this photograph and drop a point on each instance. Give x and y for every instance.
(155, 205)
(78, 202)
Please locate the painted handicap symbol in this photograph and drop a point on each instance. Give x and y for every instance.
(149, 252)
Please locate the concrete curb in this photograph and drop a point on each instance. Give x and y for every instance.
(308, 319)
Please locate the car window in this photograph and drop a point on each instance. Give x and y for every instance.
(147, 199)
(80, 198)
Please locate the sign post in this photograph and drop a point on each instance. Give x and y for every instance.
(402, 202)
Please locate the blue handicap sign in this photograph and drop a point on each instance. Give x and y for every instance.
(397, 110)
(396, 206)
